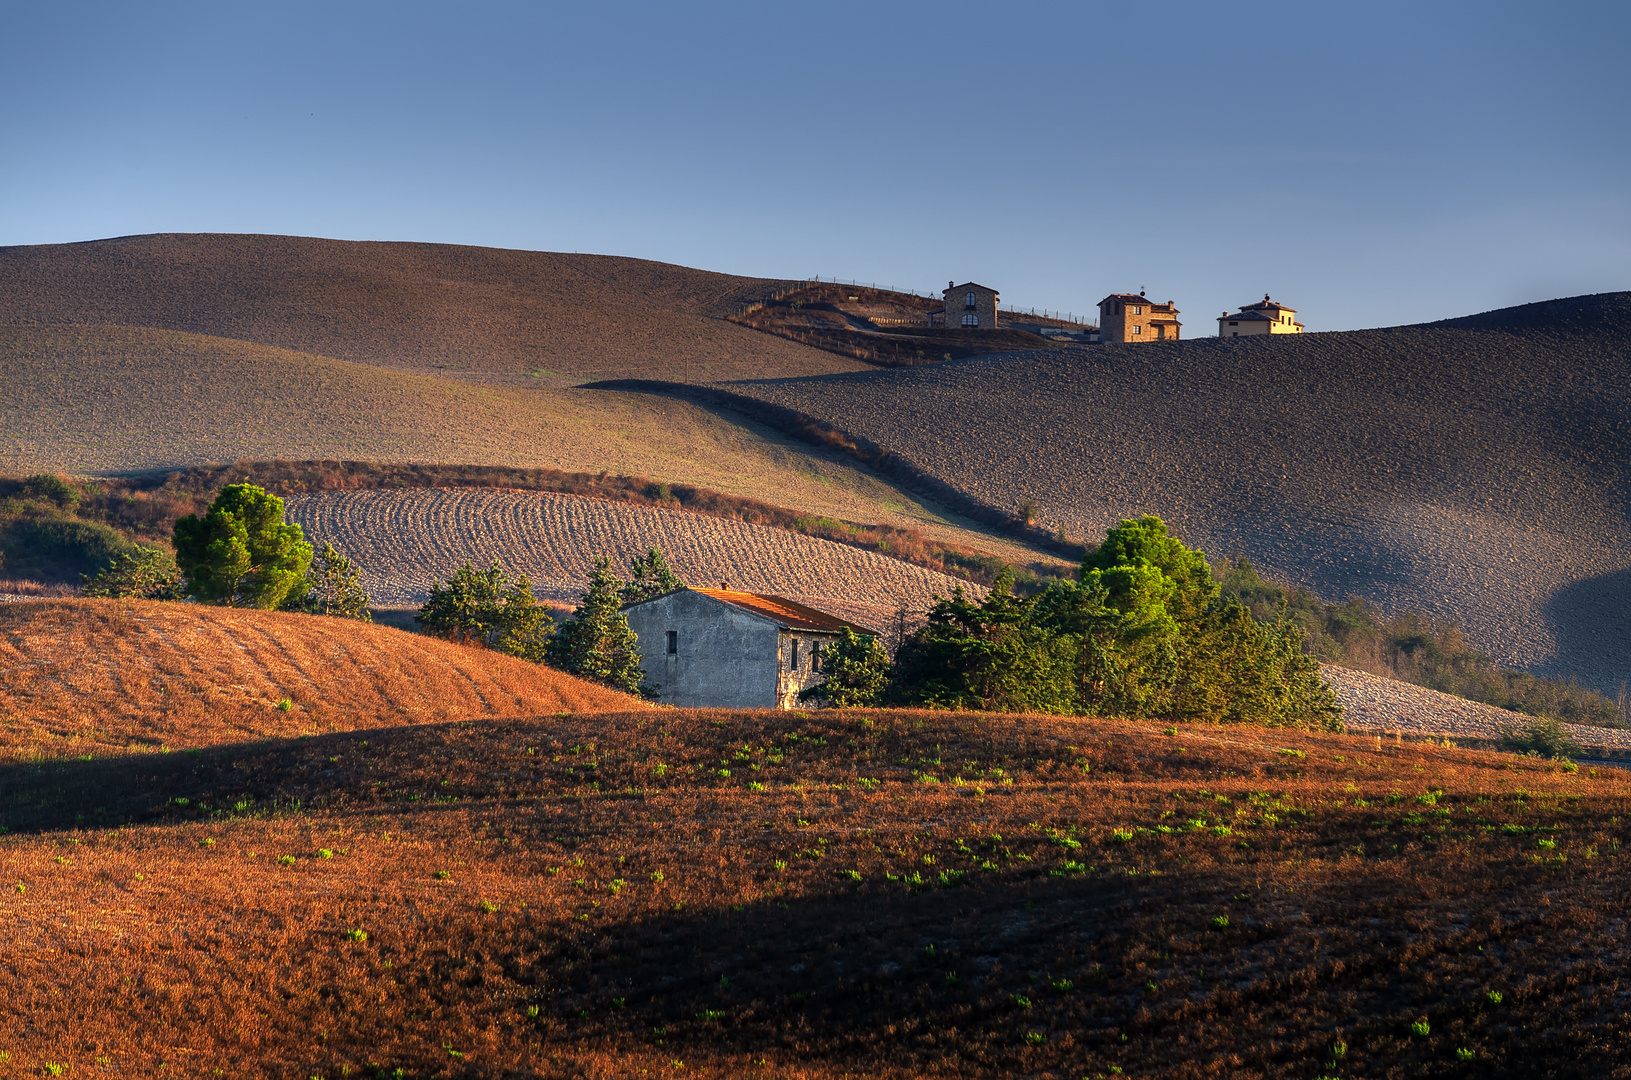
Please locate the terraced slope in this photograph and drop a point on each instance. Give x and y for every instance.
(1478, 472)
(105, 676)
(408, 541)
(485, 311)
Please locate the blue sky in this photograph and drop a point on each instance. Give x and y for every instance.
(1369, 164)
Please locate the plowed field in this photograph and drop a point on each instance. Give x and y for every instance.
(408, 541)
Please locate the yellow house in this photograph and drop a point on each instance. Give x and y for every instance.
(1265, 318)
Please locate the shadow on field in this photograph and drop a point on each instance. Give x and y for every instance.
(1591, 621)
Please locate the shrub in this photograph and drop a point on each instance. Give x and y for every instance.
(241, 553)
(1543, 736)
(50, 545)
(146, 573)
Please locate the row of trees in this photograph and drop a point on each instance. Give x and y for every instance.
(490, 608)
(1144, 632)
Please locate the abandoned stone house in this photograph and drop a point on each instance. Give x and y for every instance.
(724, 649)
(1267, 317)
(970, 306)
(1125, 317)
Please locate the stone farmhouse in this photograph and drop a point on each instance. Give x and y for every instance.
(970, 306)
(1125, 317)
(724, 649)
(1265, 318)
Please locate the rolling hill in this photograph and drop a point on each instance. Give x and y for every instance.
(543, 317)
(98, 677)
(1478, 469)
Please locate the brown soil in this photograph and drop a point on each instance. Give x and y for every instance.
(84, 677)
(693, 893)
(1480, 474)
(436, 307)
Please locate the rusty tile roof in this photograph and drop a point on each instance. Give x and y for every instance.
(792, 615)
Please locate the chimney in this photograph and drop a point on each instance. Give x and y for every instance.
(951, 284)
(725, 585)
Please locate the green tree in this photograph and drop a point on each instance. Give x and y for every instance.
(856, 670)
(649, 576)
(241, 553)
(333, 586)
(485, 607)
(994, 655)
(146, 573)
(597, 642)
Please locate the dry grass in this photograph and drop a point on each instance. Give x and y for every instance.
(97, 677)
(1474, 474)
(597, 896)
(544, 316)
(406, 542)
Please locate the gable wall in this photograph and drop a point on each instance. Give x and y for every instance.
(728, 659)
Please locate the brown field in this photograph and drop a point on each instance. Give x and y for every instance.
(545, 317)
(406, 542)
(119, 400)
(83, 678)
(1478, 470)
(883, 894)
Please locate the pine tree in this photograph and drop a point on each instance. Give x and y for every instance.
(649, 576)
(241, 553)
(857, 673)
(597, 642)
(333, 587)
(485, 607)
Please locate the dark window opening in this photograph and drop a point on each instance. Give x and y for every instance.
(673, 643)
(793, 663)
(815, 657)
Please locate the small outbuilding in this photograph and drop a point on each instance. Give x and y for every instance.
(1124, 317)
(724, 649)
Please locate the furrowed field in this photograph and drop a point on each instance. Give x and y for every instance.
(698, 893)
(409, 541)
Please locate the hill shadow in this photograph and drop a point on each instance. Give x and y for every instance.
(1591, 620)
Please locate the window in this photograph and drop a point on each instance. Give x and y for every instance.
(1234, 324)
(968, 300)
(971, 320)
(1138, 329)
(673, 643)
(793, 662)
(815, 657)
(1138, 309)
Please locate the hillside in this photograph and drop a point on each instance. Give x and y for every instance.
(83, 677)
(408, 541)
(1477, 474)
(713, 894)
(113, 399)
(546, 317)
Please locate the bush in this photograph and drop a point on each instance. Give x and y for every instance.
(241, 553)
(147, 574)
(484, 607)
(53, 546)
(1544, 736)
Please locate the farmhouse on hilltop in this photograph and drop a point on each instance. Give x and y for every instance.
(1265, 318)
(723, 649)
(1125, 317)
(970, 306)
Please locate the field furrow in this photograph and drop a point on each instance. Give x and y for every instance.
(405, 542)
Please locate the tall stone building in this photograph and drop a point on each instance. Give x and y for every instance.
(1265, 318)
(1125, 317)
(970, 306)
